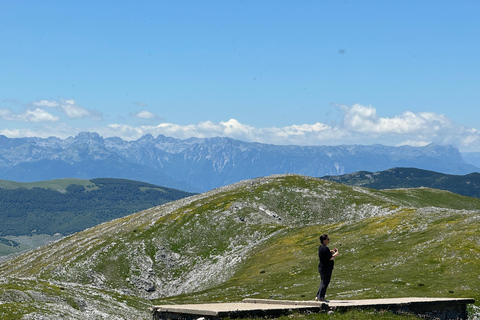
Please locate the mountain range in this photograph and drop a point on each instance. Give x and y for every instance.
(199, 165)
(256, 238)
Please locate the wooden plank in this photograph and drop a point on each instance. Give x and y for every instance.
(442, 308)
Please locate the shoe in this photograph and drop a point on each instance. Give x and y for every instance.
(324, 300)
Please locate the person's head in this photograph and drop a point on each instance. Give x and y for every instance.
(324, 239)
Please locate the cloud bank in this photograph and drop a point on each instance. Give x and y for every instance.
(359, 124)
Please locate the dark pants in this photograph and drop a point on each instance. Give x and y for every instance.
(326, 275)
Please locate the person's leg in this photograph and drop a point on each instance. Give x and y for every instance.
(326, 276)
(320, 287)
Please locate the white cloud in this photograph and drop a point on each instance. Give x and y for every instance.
(70, 108)
(36, 115)
(59, 130)
(364, 119)
(145, 115)
(415, 143)
(45, 103)
(296, 134)
(20, 133)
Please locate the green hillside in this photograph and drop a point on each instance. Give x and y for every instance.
(70, 205)
(56, 184)
(467, 185)
(256, 238)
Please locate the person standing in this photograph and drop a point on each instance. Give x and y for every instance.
(325, 266)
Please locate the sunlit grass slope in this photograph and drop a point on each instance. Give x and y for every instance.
(428, 252)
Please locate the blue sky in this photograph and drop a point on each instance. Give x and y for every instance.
(282, 72)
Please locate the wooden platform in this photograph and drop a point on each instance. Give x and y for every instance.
(441, 308)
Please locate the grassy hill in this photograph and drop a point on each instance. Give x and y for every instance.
(69, 205)
(256, 238)
(56, 184)
(31, 213)
(467, 185)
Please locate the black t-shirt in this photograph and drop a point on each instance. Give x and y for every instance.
(325, 257)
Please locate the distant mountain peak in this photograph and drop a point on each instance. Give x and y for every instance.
(84, 136)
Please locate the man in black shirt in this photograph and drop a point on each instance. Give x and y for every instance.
(325, 267)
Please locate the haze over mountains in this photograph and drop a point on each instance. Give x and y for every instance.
(199, 165)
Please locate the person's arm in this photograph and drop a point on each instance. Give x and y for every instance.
(335, 253)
